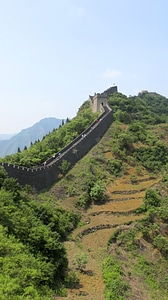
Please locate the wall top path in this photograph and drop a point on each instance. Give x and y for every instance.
(44, 176)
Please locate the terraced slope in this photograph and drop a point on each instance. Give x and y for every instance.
(99, 222)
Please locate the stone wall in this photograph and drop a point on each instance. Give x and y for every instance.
(111, 90)
(44, 176)
(99, 100)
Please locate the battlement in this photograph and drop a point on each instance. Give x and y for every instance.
(44, 176)
(101, 99)
(111, 90)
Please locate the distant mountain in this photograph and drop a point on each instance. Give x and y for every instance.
(4, 136)
(28, 136)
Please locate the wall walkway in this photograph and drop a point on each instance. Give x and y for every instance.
(44, 176)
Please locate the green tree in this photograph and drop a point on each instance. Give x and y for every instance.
(11, 184)
(97, 192)
(41, 229)
(126, 141)
(3, 175)
(22, 275)
(138, 131)
(161, 243)
(65, 165)
(151, 199)
(114, 166)
(115, 286)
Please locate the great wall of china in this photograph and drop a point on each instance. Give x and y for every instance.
(44, 176)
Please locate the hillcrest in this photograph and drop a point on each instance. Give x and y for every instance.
(100, 100)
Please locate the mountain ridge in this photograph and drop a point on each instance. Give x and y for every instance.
(28, 135)
(118, 195)
(6, 136)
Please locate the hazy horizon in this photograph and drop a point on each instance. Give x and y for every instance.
(54, 54)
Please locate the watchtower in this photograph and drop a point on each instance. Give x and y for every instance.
(100, 100)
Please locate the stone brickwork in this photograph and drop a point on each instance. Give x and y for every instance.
(100, 100)
(44, 176)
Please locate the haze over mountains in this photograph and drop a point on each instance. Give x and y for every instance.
(6, 136)
(9, 144)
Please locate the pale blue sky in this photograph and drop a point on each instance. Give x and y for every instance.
(54, 53)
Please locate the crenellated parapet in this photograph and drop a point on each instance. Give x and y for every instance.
(44, 176)
(99, 100)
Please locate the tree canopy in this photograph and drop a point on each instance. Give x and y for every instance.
(33, 257)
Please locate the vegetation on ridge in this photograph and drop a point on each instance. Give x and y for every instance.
(36, 229)
(33, 257)
(52, 143)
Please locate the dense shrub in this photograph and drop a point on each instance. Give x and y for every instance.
(153, 158)
(33, 257)
(113, 275)
(97, 192)
(151, 199)
(114, 166)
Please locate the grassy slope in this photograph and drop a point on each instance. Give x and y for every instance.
(124, 197)
(144, 267)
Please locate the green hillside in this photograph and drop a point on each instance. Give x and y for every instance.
(101, 232)
(26, 137)
(55, 141)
